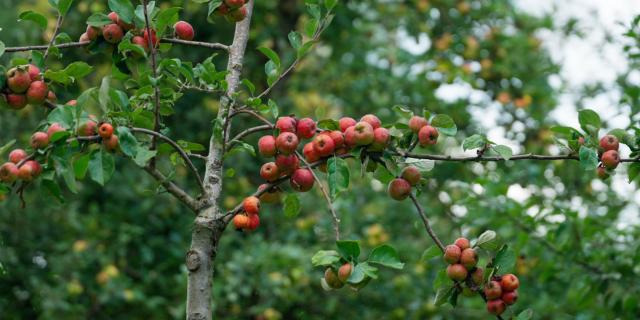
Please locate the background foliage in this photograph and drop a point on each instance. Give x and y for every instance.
(118, 251)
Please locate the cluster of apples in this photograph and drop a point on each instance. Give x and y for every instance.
(609, 157)
(249, 218)
(233, 10)
(115, 31)
(337, 279)
(501, 292)
(23, 85)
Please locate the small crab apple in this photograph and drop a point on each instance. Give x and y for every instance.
(88, 128)
(310, 153)
(9, 172)
(26, 172)
(286, 124)
(428, 135)
(251, 205)
(267, 146)
(380, 139)
(240, 221)
(346, 122)
(350, 136)
(84, 38)
(609, 142)
(254, 222)
(610, 159)
(456, 272)
(17, 155)
(238, 14)
(35, 165)
(509, 282)
(269, 171)
(113, 16)
(72, 103)
(306, 128)
(323, 145)
(332, 280)
(37, 92)
(287, 163)
(234, 3)
(469, 258)
(39, 140)
(18, 79)
(54, 128)
(111, 143)
(416, 123)
(302, 180)
(222, 10)
(363, 133)
(287, 142)
(452, 254)
(92, 32)
(411, 174)
(337, 137)
(345, 271)
(154, 38)
(184, 30)
(399, 189)
(34, 72)
(112, 33)
(105, 131)
(477, 276)
(270, 196)
(510, 297)
(493, 290)
(372, 120)
(125, 26)
(463, 243)
(16, 101)
(51, 96)
(496, 307)
(602, 172)
(138, 40)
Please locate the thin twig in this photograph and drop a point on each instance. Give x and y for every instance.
(427, 225)
(209, 45)
(156, 91)
(527, 156)
(53, 37)
(248, 132)
(336, 220)
(173, 189)
(252, 113)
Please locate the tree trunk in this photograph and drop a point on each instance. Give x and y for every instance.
(209, 224)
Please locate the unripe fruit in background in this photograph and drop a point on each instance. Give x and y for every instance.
(363, 133)
(113, 16)
(469, 258)
(154, 38)
(287, 142)
(477, 276)
(92, 32)
(510, 297)
(609, 142)
(51, 96)
(496, 307)
(251, 205)
(337, 137)
(372, 120)
(53, 129)
(16, 101)
(240, 221)
(310, 153)
(602, 172)
(105, 131)
(416, 123)
(302, 180)
(254, 222)
(138, 40)
(509, 282)
(306, 128)
(87, 129)
(34, 72)
(287, 163)
(452, 254)
(346, 122)
(222, 10)
(412, 175)
(234, 3)
(492, 290)
(39, 140)
(9, 172)
(17, 155)
(269, 171)
(18, 80)
(380, 139)
(428, 135)
(267, 146)
(610, 159)
(344, 272)
(286, 124)
(350, 136)
(37, 92)
(111, 143)
(270, 196)
(456, 272)
(112, 33)
(462, 243)
(238, 14)
(399, 189)
(72, 103)
(323, 145)
(184, 30)
(332, 280)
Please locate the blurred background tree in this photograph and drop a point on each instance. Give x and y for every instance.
(118, 252)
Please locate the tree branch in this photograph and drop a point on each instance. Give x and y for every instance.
(156, 91)
(209, 45)
(527, 156)
(252, 113)
(216, 46)
(53, 37)
(173, 189)
(427, 225)
(248, 132)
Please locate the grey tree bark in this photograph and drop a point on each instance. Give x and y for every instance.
(209, 223)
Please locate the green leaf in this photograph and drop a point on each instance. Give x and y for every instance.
(143, 155)
(444, 124)
(424, 165)
(7, 146)
(589, 121)
(63, 115)
(488, 240)
(357, 275)
(80, 166)
(368, 270)
(632, 172)
(338, 176)
(402, 111)
(325, 258)
(588, 158)
(63, 170)
(568, 132)
(349, 249)
(295, 38)
(101, 166)
(272, 55)
(124, 9)
(329, 4)
(304, 49)
(505, 259)
(526, 314)
(39, 19)
(127, 141)
(291, 205)
(53, 188)
(504, 151)
(475, 141)
(328, 124)
(64, 5)
(443, 295)
(274, 108)
(166, 17)
(2, 48)
(441, 280)
(387, 256)
(272, 72)
(310, 27)
(431, 253)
